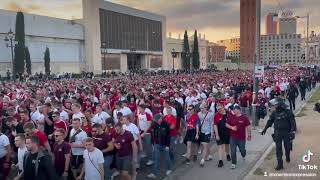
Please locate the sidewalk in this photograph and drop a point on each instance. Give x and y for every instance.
(255, 149)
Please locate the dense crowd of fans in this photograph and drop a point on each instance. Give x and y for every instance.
(95, 128)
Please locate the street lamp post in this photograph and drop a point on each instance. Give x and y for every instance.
(104, 52)
(256, 60)
(10, 38)
(174, 55)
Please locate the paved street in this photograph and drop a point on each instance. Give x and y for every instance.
(255, 149)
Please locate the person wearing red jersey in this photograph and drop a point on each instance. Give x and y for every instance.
(240, 131)
(192, 135)
(30, 130)
(172, 121)
(58, 123)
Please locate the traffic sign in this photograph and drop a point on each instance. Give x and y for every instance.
(259, 71)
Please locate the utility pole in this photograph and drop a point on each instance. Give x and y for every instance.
(256, 61)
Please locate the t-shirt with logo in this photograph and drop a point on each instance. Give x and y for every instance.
(59, 151)
(101, 142)
(241, 123)
(124, 141)
(192, 121)
(171, 120)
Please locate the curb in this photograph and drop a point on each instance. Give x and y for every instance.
(260, 159)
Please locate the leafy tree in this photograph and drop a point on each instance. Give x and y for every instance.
(186, 52)
(28, 61)
(20, 47)
(47, 61)
(195, 53)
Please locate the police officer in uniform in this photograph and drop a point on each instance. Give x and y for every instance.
(284, 129)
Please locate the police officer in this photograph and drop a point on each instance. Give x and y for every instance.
(284, 129)
(292, 94)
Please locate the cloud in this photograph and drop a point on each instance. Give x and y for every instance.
(13, 6)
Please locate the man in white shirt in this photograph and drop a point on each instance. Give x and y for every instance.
(124, 109)
(19, 141)
(76, 109)
(167, 105)
(63, 114)
(37, 117)
(93, 162)
(178, 98)
(77, 139)
(100, 117)
(116, 111)
(5, 155)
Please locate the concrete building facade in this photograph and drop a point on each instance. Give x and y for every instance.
(217, 53)
(287, 23)
(279, 49)
(66, 43)
(177, 45)
(232, 47)
(134, 39)
(247, 30)
(271, 22)
(313, 49)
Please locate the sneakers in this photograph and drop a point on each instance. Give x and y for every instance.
(143, 155)
(151, 176)
(187, 161)
(150, 163)
(233, 166)
(278, 168)
(244, 159)
(209, 158)
(115, 174)
(168, 172)
(287, 159)
(184, 155)
(195, 158)
(199, 152)
(202, 162)
(220, 164)
(228, 158)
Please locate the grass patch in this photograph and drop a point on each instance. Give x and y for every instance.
(259, 172)
(315, 97)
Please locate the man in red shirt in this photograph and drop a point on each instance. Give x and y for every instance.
(62, 153)
(172, 121)
(240, 131)
(30, 130)
(58, 123)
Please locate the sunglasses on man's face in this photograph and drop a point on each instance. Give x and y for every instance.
(57, 135)
(189, 109)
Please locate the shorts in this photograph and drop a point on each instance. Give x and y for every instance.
(204, 138)
(76, 161)
(191, 136)
(224, 139)
(124, 163)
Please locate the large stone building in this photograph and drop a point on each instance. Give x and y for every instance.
(232, 47)
(313, 49)
(247, 30)
(177, 45)
(217, 53)
(134, 39)
(130, 38)
(64, 38)
(287, 23)
(278, 49)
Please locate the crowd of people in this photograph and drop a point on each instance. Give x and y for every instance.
(99, 128)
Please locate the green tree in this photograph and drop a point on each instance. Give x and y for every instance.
(47, 61)
(28, 61)
(195, 53)
(20, 46)
(186, 52)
